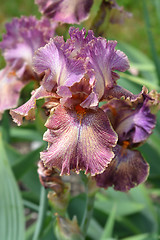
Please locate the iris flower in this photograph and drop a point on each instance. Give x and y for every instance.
(78, 74)
(23, 36)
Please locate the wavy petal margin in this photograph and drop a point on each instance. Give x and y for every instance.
(79, 140)
(133, 122)
(27, 110)
(59, 69)
(105, 59)
(127, 170)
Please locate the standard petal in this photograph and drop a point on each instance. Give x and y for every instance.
(10, 87)
(78, 40)
(59, 69)
(65, 11)
(127, 170)
(104, 59)
(27, 110)
(79, 140)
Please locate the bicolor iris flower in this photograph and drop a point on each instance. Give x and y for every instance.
(78, 74)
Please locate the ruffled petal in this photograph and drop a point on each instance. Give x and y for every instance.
(127, 170)
(104, 59)
(23, 37)
(78, 40)
(79, 140)
(10, 87)
(27, 110)
(132, 122)
(65, 11)
(59, 69)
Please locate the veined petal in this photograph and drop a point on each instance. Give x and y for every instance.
(127, 170)
(10, 87)
(59, 69)
(23, 37)
(133, 122)
(78, 140)
(65, 11)
(104, 60)
(78, 40)
(27, 110)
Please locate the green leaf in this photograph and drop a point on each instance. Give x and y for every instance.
(108, 229)
(129, 85)
(12, 154)
(144, 236)
(137, 57)
(25, 163)
(79, 201)
(140, 81)
(19, 134)
(124, 207)
(94, 230)
(31, 182)
(5, 127)
(151, 39)
(42, 214)
(11, 209)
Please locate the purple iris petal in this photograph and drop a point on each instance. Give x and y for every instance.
(27, 110)
(59, 69)
(10, 87)
(65, 11)
(127, 170)
(132, 122)
(104, 59)
(81, 57)
(23, 37)
(78, 140)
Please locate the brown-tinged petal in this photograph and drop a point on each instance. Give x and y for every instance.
(127, 170)
(79, 140)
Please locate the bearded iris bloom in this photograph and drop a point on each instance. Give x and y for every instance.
(78, 74)
(65, 11)
(23, 36)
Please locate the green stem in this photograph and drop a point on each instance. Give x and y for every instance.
(88, 212)
(151, 40)
(42, 213)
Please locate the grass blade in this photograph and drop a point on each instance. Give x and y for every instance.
(108, 229)
(11, 208)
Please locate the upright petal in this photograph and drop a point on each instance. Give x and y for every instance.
(104, 59)
(59, 69)
(65, 11)
(127, 170)
(79, 40)
(78, 140)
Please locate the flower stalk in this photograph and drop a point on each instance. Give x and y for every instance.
(90, 193)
